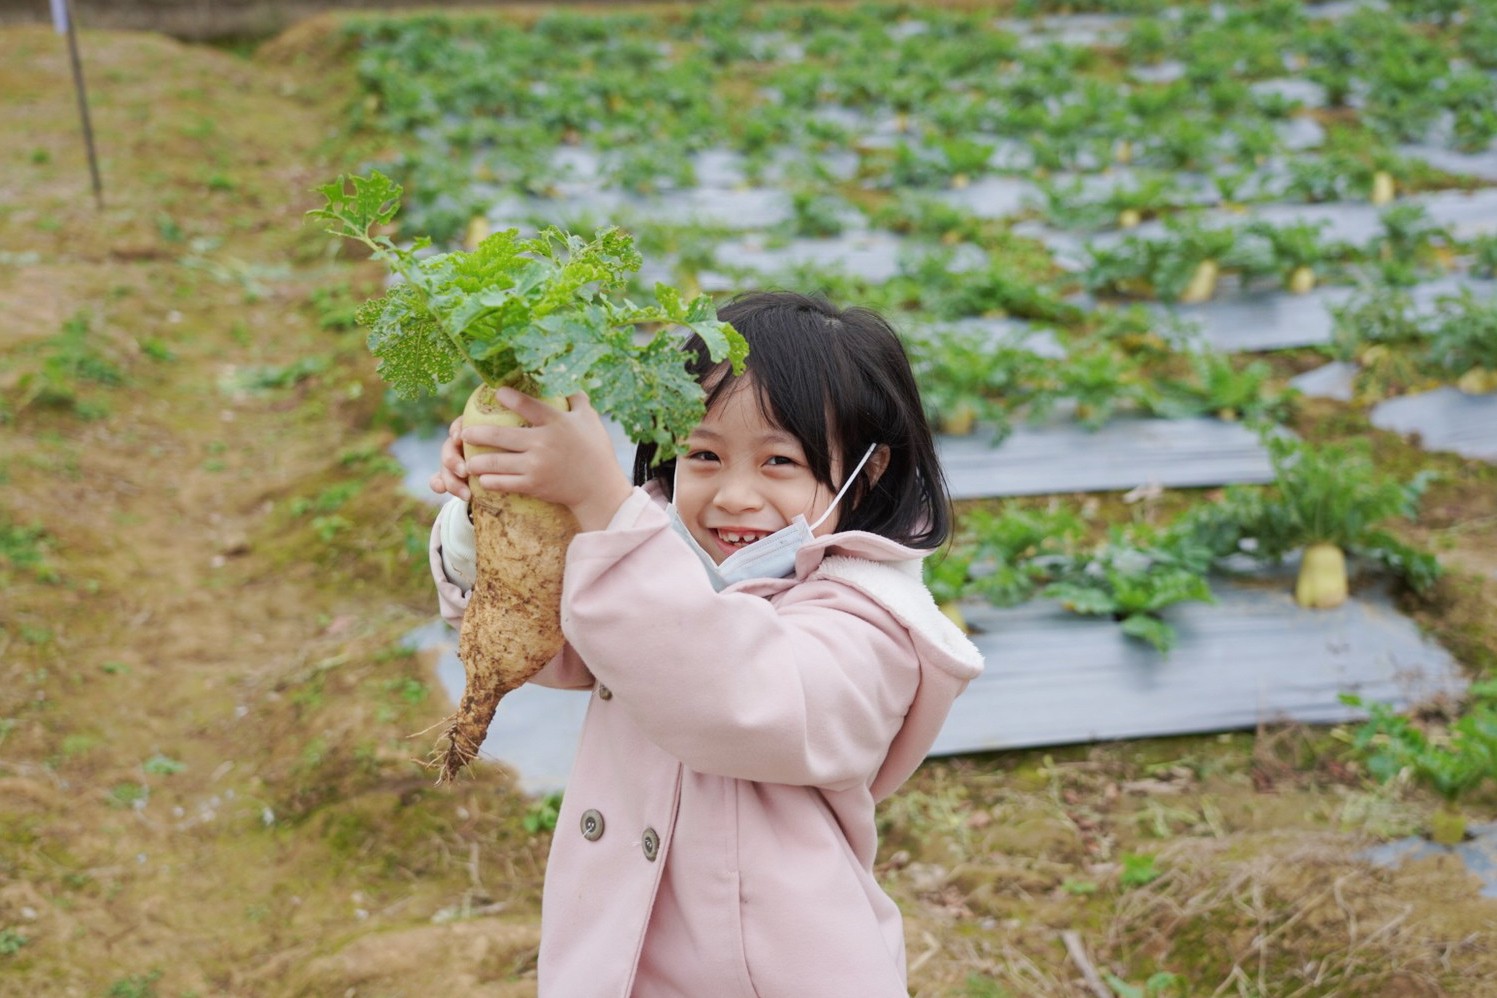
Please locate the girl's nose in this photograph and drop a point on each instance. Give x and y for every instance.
(737, 494)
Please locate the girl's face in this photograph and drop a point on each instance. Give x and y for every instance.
(742, 478)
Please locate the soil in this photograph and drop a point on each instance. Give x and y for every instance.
(210, 779)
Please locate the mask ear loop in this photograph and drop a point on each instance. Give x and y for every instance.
(846, 484)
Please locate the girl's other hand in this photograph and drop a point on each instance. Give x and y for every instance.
(565, 457)
(453, 478)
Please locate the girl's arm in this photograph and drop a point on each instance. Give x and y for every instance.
(810, 691)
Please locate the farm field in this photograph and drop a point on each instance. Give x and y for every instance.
(1139, 217)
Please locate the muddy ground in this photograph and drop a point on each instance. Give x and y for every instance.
(209, 784)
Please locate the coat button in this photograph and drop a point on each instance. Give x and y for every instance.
(604, 693)
(651, 844)
(592, 825)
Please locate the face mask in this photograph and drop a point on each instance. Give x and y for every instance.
(771, 557)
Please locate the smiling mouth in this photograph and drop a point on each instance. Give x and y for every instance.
(735, 540)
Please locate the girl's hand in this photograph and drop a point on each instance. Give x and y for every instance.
(561, 457)
(453, 478)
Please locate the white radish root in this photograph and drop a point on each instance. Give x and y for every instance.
(512, 626)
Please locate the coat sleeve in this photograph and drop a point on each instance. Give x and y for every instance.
(565, 671)
(808, 690)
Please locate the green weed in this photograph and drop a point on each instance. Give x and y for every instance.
(160, 765)
(24, 551)
(135, 986)
(1139, 869)
(542, 814)
(69, 360)
(11, 942)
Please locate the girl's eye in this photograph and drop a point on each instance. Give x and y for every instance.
(782, 461)
(701, 455)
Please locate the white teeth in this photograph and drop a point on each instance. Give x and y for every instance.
(735, 538)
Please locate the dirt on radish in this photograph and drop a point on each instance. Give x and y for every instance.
(512, 625)
(208, 778)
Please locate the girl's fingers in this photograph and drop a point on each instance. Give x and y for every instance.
(532, 410)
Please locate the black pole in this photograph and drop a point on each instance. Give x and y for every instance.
(88, 129)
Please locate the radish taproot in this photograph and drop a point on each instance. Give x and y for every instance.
(544, 315)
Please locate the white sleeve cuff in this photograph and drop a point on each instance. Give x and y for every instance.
(459, 548)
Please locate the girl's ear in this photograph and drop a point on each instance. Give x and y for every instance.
(878, 464)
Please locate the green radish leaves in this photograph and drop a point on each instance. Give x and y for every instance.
(544, 314)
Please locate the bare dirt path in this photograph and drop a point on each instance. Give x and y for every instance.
(209, 563)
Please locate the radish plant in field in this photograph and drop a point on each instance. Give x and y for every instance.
(967, 378)
(1216, 385)
(1298, 251)
(1124, 206)
(1463, 342)
(1452, 763)
(1183, 266)
(540, 315)
(1327, 501)
(1399, 349)
(1133, 577)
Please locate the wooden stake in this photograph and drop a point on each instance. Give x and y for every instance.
(88, 130)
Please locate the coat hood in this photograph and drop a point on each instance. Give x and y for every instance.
(884, 571)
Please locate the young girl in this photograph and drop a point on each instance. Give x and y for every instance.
(764, 661)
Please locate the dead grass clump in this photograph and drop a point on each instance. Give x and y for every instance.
(1307, 920)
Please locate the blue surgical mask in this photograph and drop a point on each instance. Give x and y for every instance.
(771, 557)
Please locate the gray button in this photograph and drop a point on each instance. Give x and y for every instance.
(592, 825)
(604, 693)
(651, 844)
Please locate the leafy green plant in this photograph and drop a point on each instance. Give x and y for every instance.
(1408, 244)
(1463, 340)
(1101, 381)
(530, 313)
(1133, 577)
(1484, 256)
(1000, 288)
(1298, 251)
(23, 549)
(128, 795)
(1139, 869)
(11, 942)
(1452, 763)
(1219, 385)
(817, 214)
(335, 307)
(1181, 266)
(1330, 498)
(1375, 315)
(1398, 348)
(1149, 195)
(160, 765)
(135, 986)
(69, 360)
(542, 813)
(968, 379)
(1015, 550)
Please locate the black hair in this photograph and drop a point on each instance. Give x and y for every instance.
(839, 381)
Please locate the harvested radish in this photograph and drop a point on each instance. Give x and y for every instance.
(542, 315)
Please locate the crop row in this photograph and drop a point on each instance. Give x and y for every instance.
(921, 97)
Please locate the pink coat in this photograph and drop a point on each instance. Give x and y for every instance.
(717, 833)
